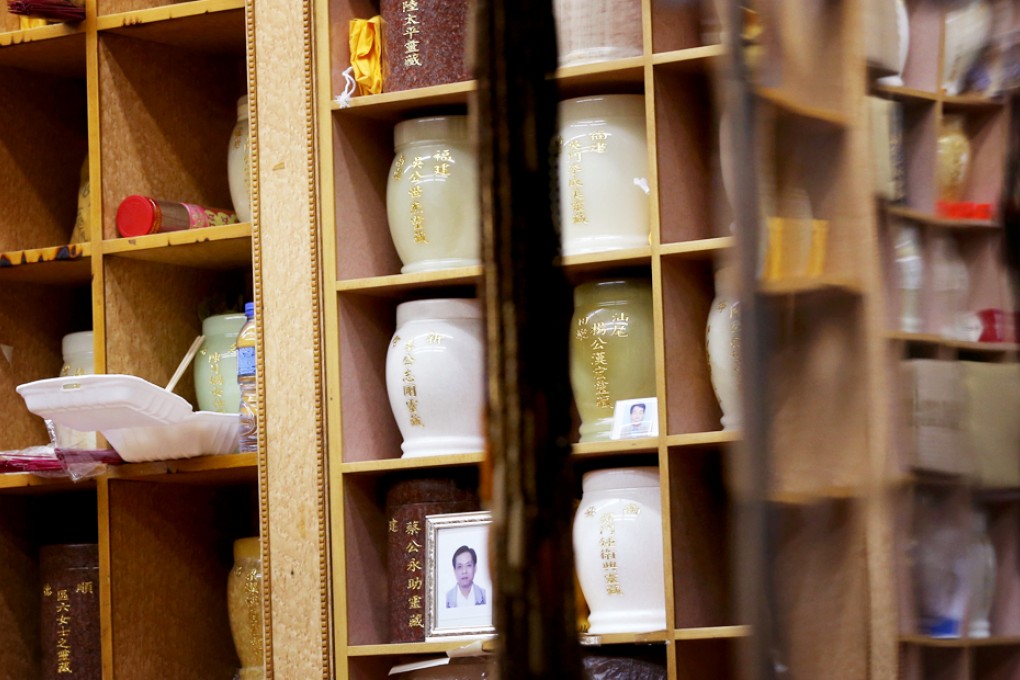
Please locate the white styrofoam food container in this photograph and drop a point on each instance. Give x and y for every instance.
(141, 421)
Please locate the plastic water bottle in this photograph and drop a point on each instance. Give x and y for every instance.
(248, 439)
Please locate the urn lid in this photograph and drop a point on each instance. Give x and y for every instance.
(603, 292)
(441, 308)
(431, 129)
(220, 324)
(77, 343)
(621, 478)
(247, 549)
(603, 106)
(242, 108)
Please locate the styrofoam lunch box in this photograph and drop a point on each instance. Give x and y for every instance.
(142, 422)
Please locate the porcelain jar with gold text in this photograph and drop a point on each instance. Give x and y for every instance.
(618, 550)
(435, 377)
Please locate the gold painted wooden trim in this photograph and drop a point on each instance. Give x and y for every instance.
(582, 70)
(704, 247)
(198, 465)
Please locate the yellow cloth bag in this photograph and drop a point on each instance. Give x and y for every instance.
(366, 54)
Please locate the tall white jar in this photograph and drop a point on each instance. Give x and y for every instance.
(434, 377)
(238, 172)
(618, 550)
(79, 359)
(722, 338)
(603, 164)
(432, 195)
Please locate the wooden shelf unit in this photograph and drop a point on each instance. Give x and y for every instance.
(916, 491)
(820, 437)
(119, 92)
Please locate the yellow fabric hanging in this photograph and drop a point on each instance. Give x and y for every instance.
(366, 54)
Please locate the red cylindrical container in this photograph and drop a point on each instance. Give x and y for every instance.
(141, 215)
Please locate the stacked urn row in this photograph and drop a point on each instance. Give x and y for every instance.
(434, 363)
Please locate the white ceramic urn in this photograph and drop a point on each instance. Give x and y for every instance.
(722, 338)
(618, 550)
(238, 171)
(432, 199)
(435, 377)
(604, 193)
(78, 353)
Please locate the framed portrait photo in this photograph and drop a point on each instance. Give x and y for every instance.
(458, 581)
(635, 419)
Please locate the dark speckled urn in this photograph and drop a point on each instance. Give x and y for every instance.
(69, 618)
(408, 501)
(425, 43)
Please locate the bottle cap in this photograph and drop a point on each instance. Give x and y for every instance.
(138, 216)
(249, 310)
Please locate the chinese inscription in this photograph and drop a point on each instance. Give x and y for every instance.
(410, 387)
(607, 552)
(412, 33)
(598, 332)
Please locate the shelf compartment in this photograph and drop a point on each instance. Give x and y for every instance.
(701, 524)
(29, 522)
(399, 284)
(366, 327)
(818, 415)
(28, 483)
(44, 143)
(57, 49)
(691, 205)
(170, 553)
(33, 342)
(924, 57)
(687, 298)
(207, 248)
(365, 539)
(210, 26)
(970, 102)
(934, 663)
(707, 658)
(814, 547)
(154, 312)
(675, 26)
(71, 264)
(152, 143)
(396, 106)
